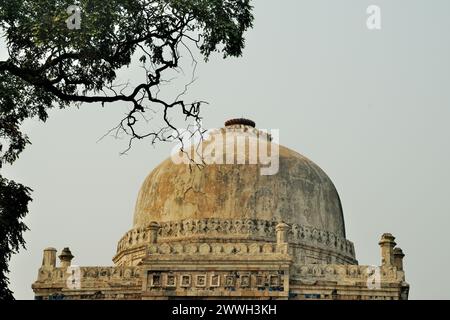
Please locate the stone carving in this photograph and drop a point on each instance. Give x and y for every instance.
(260, 281)
(250, 229)
(267, 248)
(353, 271)
(274, 280)
(230, 281)
(92, 275)
(342, 272)
(217, 248)
(177, 248)
(171, 280)
(301, 256)
(229, 248)
(245, 280)
(201, 280)
(317, 271)
(155, 280)
(215, 280)
(241, 248)
(254, 248)
(191, 248)
(186, 280)
(152, 249)
(329, 270)
(204, 248)
(165, 248)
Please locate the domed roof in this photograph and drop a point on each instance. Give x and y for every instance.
(299, 193)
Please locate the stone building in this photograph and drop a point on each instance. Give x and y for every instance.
(221, 230)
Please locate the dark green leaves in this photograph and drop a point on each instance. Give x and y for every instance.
(14, 199)
(50, 64)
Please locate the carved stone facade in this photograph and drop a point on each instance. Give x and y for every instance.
(308, 244)
(224, 270)
(225, 232)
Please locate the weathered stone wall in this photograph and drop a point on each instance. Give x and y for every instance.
(225, 270)
(309, 245)
(267, 274)
(102, 283)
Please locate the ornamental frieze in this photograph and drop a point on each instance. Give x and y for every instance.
(249, 229)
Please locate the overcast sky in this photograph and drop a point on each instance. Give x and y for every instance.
(371, 108)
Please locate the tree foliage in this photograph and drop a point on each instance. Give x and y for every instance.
(14, 199)
(50, 65)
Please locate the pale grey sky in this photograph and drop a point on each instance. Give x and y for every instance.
(372, 108)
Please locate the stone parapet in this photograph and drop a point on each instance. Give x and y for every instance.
(244, 231)
(88, 283)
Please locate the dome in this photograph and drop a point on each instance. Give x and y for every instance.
(300, 193)
(187, 199)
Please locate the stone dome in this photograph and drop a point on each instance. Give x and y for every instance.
(189, 199)
(300, 193)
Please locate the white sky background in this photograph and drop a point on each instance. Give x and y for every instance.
(369, 107)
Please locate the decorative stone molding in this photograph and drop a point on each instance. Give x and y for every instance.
(221, 268)
(219, 281)
(186, 280)
(214, 280)
(343, 273)
(248, 229)
(218, 249)
(91, 276)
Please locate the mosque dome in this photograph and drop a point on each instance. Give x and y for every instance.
(300, 192)
(223, 200)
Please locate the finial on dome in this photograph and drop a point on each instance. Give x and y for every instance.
(240, 121)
